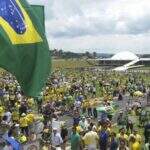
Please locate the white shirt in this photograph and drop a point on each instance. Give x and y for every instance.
(8, 114)
(94, 89)
(8, 147)
(6, 97)
(77, 104)
(19, 96)
(84, 124)
(126, 148)
(56, 139)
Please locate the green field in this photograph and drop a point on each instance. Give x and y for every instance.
(70, 63)
(75, 63)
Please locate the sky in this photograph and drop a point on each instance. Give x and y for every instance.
(107, 26)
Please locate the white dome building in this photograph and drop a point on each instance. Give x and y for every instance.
(125, 55)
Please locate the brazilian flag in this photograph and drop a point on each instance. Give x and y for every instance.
(24, 50)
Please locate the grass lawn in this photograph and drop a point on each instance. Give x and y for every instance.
(70, 63)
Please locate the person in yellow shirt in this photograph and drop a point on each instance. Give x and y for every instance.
(136, 135)
(17, 104)
(79, 129)
(46, 146)
(104, 125)
(2, 111)
(15, 115)
(30, 116)
(135, 145)
(30, 102)
(122, 135)
(24, 124)
(22, 138)
(91, 139)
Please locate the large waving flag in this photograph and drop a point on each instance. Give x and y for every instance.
(24, 49)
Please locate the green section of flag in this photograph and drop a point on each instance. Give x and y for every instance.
(30, 63)
(39, 11)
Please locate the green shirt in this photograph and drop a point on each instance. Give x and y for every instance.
(75, 141)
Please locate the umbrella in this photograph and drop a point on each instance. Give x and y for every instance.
(138, 93)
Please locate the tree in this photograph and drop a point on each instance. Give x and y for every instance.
(87, 54)
(94, 54)
(60, 53)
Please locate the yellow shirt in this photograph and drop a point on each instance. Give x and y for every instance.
(17, 105)
(23, 122)
(1, 111)
(135, 146)
(22, 139)
(47, 98)
(100, 128)
(30, 102)
(122, 136)
(91, 138)
(137, 137)
(30, 118)
(15, 115)
(45, 148)
(79, 129)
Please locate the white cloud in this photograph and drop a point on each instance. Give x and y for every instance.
(43, 2)
(108, 25)
(109, 43)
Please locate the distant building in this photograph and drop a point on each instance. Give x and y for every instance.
(123, 58)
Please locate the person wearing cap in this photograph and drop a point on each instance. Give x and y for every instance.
(56, 139)
(24, 124)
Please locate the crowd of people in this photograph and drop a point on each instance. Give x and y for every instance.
(76, 94)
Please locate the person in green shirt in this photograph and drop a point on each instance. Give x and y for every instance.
(75, 140)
